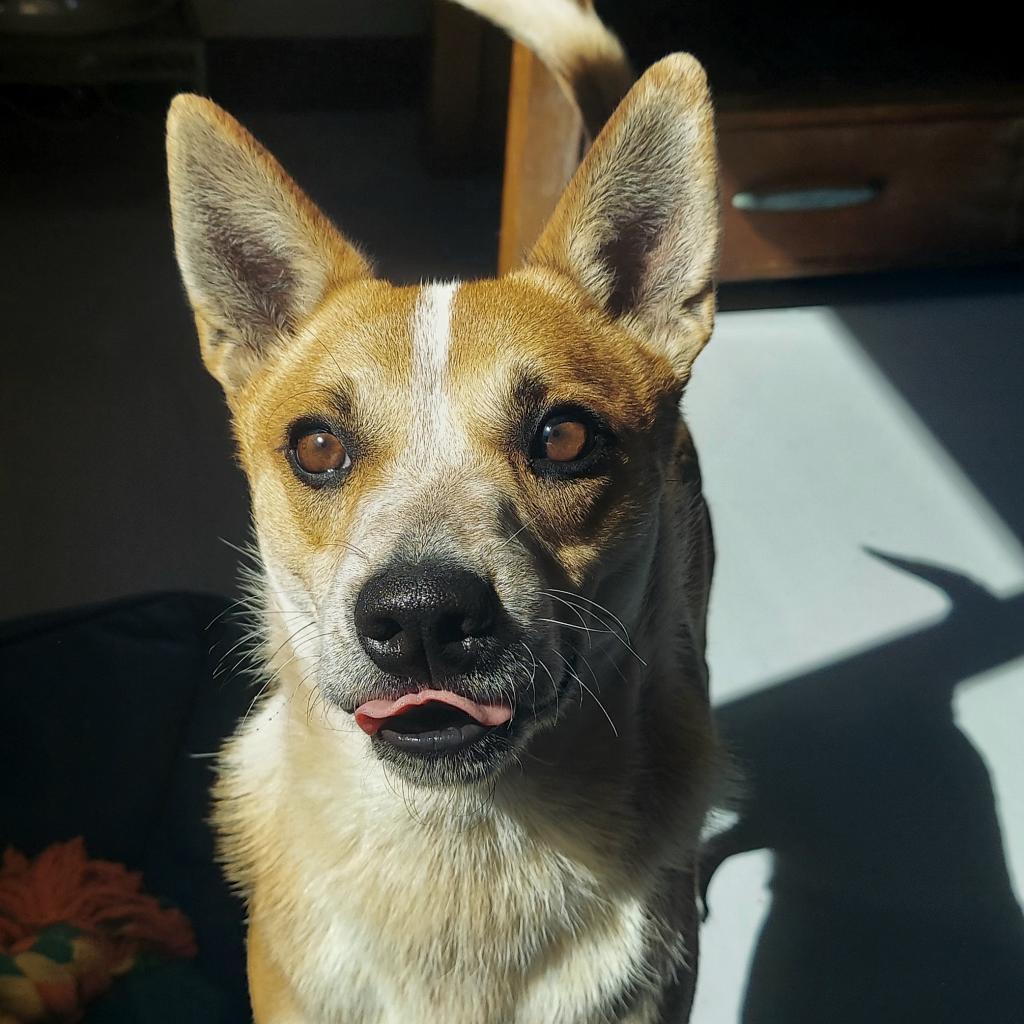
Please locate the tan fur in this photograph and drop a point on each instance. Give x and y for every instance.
(559, 889)
(269, 991)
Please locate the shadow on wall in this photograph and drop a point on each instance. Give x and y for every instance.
(891, 899)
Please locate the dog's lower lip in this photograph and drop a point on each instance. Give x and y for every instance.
(434, 728)
(435, 741)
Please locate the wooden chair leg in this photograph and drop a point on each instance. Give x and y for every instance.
(542, 149)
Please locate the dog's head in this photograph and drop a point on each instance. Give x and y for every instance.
(455, 486)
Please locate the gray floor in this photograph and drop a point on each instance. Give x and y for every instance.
(862, 461)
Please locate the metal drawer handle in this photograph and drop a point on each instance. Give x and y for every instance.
(798, 199)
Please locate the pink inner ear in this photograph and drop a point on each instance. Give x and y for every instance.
(373, 715)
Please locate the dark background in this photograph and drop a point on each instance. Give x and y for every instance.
(117, 470)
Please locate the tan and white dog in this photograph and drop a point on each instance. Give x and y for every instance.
(474, 788)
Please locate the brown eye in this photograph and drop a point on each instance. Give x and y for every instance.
(565, 440)
(320, 452)
(570, 442)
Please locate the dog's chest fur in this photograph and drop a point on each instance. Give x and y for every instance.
(383, 910)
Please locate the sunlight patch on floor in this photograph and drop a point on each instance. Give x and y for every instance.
(810, 456)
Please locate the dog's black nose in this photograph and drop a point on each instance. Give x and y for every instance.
(428, 622)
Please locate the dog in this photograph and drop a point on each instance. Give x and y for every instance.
(474, 786)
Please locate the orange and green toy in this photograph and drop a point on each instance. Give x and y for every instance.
(70, 926)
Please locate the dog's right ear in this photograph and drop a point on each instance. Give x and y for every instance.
(256, 255)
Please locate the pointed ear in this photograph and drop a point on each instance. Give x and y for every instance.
(256, 255)
(637, 227)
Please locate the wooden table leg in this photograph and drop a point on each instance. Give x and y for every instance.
(542, 149)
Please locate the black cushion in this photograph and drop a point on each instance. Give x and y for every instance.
(109, 719)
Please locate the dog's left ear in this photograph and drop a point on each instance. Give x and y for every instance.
(256, 255)
(637, 228)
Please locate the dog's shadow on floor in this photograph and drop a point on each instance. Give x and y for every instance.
(891, 899)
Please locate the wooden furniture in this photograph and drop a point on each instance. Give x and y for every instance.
(810, 188)
(543, 147)
(828, 189)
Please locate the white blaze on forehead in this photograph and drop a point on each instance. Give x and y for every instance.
(432, 431)
(431, 335)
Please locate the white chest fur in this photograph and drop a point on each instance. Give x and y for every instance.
(391, 906)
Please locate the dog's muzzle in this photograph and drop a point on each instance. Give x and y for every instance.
(438, 633)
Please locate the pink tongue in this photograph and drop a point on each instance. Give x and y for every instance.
(374, 714)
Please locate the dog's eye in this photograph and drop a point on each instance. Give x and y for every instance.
(319, 452)
(565, 439)
(569, 442)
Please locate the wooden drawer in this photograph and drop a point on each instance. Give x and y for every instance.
(807, 192)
